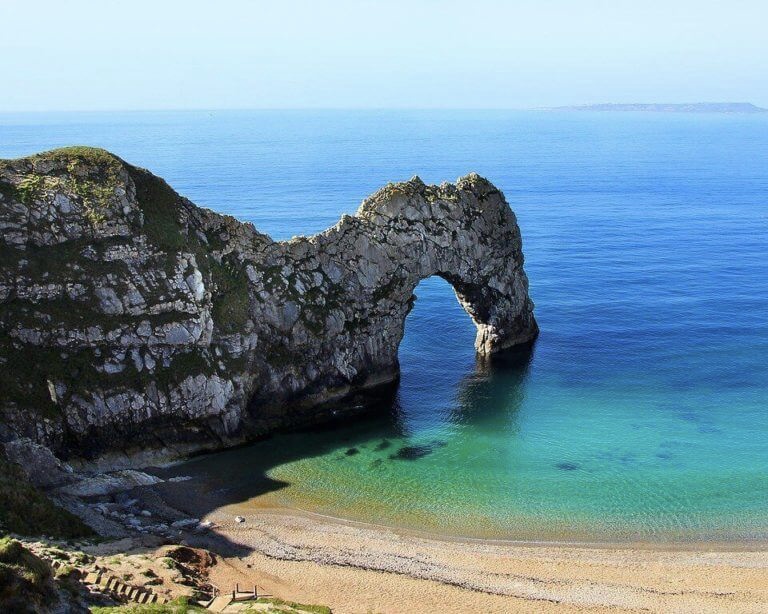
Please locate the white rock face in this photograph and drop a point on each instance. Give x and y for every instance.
(156, 322)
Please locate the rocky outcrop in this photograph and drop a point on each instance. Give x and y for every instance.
(130, 318)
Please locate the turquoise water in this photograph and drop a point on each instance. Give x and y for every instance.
(642, 411)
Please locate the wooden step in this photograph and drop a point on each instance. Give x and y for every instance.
(221, 602)
(92, 578)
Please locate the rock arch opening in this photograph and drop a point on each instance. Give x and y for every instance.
(437, 327)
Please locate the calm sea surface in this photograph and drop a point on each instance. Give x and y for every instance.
(642, 412)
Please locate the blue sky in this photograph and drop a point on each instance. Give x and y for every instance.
(169, 54)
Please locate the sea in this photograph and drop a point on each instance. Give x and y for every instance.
(640, 414)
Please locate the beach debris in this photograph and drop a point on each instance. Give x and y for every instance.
(239, 519)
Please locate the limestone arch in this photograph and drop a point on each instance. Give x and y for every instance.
(333, 306)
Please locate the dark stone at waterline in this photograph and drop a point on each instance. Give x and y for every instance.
(352, 452)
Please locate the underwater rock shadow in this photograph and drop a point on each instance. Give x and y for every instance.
(418, 451)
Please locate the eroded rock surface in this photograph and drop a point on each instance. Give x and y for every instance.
(131, 318)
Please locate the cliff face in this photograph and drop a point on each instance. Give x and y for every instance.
(131, 318)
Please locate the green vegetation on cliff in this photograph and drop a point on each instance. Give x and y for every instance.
(27, 511)
(230, 301)
(9, 191)
(178, 606)
(162, 225)
(92, 175)
(280, 606)
(80, 154)
(26, 581)
(181, 606)
(160, 205)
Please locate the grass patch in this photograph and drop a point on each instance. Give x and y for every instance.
(160, 205)
(291, 606)
(30, 188)
(80, 154)
(231, 303)
(177, 606)
(60, 259)
(95, 195)
(24, 382)
(26, 581)
(27, 511)
(92, 175)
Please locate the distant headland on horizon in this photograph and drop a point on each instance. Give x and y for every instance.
(695, 107)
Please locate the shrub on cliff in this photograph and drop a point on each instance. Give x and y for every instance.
(178, 606)
(26, 581)
(27, 511)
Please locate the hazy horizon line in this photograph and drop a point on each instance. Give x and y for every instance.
(356, 108)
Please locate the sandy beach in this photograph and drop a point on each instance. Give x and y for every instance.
(357, 568)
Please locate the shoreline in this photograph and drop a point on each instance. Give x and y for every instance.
(352, 566)
(694, 545)
(355, 567)
(294, 550)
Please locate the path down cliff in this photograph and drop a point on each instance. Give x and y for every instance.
(131, 318)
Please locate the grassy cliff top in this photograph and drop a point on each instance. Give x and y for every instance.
(75, 153)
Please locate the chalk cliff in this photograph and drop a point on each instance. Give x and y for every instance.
(131, 318)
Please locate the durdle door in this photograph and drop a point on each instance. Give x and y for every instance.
(131, 318)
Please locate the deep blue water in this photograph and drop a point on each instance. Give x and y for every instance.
(643, 410)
